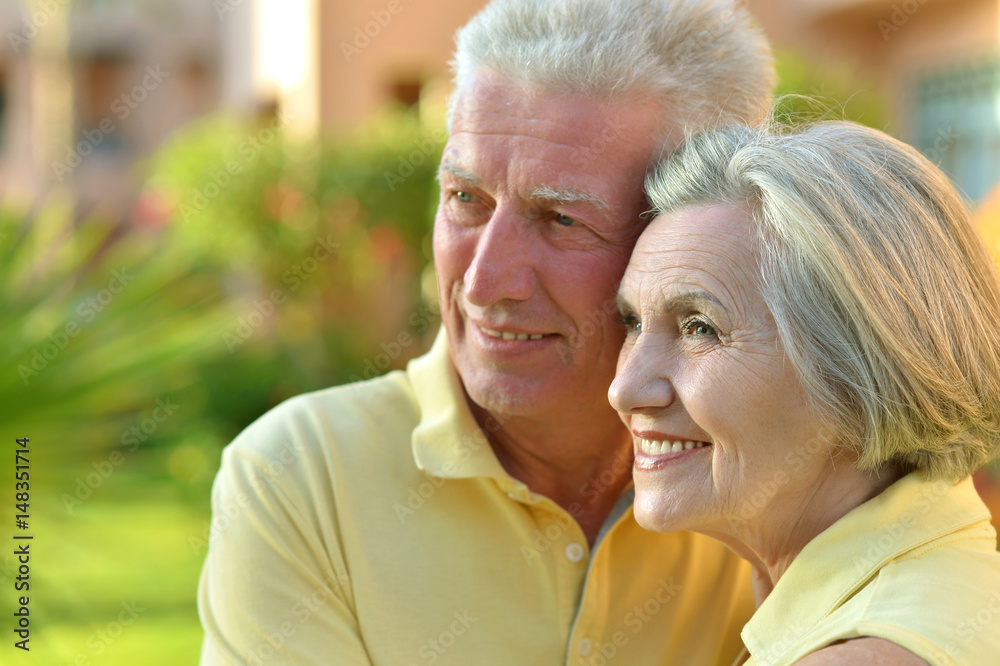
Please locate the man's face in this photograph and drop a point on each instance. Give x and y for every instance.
(541, 196)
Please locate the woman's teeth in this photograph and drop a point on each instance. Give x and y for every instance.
(655, 447)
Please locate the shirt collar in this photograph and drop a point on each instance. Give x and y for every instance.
(847, 555)
(448, 441)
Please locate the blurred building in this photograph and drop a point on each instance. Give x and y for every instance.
(88, 87)
(937, 62)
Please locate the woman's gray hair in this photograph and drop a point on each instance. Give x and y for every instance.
(706, 61)
(885, 298)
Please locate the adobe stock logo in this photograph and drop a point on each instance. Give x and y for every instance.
(294, 277)
(901, 13)
(122, 107)
(103, 469)
(88, 309)
(39, 19)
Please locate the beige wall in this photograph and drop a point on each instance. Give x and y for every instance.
(415, 43)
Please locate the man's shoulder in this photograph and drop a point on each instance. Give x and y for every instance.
(332, 425)
(388, 392)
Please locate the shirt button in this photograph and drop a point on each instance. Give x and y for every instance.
(574, 553)
(584, 646)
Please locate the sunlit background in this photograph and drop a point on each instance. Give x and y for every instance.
(208, 206)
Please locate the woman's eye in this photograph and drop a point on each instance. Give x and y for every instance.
(565, 220)
(697, 327)
(463, 196)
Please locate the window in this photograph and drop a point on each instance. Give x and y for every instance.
(406, 91)
(957, 114)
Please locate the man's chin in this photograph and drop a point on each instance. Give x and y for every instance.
(516, 385)
(502, 393)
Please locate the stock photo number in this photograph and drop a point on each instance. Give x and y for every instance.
(22, 506)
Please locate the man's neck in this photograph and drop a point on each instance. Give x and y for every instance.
(582, 466)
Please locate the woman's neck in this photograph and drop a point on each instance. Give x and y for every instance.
(772, 541)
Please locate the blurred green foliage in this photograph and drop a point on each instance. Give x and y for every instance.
(102, 325)
(95, 322)
(254, 266)
(332, 237)
(809, 90)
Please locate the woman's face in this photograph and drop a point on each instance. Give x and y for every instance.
(723, 434)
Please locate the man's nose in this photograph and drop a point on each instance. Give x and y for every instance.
(502, 267)
(642, 384)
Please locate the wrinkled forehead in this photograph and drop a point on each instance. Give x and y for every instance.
(717, 228)
(489, 102)
(713, 244)
(488, 94)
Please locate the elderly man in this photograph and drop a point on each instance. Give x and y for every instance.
(476, 508)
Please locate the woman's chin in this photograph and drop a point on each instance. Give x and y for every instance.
(658, 514)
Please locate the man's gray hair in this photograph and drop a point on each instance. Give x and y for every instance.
(886, 300)
(706, 61)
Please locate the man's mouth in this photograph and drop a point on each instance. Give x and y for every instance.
(510, 335)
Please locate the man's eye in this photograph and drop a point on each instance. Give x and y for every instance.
(630, 322)
(463, 196)
(565, 220)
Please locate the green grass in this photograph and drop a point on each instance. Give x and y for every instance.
(125, 548)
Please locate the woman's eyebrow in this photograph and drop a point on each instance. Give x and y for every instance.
(678, 302)
(689, 298)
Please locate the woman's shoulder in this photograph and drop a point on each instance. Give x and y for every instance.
(942, 600)
(865, 650)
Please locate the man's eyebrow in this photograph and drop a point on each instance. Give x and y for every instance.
(623, 305)
(458, 172)
(569, 195)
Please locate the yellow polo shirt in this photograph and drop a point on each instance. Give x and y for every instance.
(916, 565)
(372, 524)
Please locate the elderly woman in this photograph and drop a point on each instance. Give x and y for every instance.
(811, 372)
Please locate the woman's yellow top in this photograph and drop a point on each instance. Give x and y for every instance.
(917, 565)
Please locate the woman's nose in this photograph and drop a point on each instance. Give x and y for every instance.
(642, 384)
